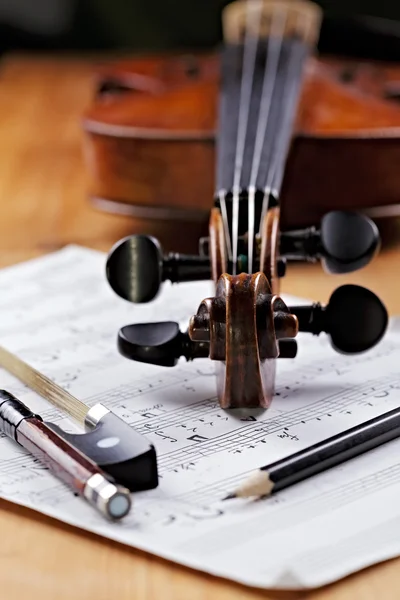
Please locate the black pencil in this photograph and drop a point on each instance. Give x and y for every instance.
(318, 458)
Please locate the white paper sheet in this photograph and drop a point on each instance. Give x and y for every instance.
(59, 314)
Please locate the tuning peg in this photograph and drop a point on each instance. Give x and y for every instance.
(162, 344)
(345, 242)
(355, 319)
(136, 267)
(158, 344)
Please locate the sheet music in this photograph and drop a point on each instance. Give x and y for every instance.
(59, 314)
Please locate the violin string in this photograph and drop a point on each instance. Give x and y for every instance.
(227, 123)
(282, 143)
(224, 213)
(249, 62)
(293, 94)
(274, 47)
(278, 172)
(291, 91)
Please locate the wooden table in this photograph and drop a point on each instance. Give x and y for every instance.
(43, 191)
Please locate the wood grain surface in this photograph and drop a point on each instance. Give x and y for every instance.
(43, 207)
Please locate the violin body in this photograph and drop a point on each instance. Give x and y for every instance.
(150, 139)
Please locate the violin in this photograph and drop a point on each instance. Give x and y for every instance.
(271, 87)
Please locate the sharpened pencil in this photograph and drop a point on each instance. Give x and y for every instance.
(321, 456)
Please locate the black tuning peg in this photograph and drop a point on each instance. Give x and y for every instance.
(354, 318)
(136, 267)
(159, 344)
(345, 242)
(162, 344)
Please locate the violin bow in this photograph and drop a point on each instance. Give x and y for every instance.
(131, 460)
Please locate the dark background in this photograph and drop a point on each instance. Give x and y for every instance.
(136, 24)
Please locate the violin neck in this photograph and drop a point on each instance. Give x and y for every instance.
(261, 78)
(258, 105)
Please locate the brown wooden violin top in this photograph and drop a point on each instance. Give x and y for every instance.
(170, 116)
(172, 103)
(150, 137)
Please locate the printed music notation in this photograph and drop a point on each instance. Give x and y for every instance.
(64, 319)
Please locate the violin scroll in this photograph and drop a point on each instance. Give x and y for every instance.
(245, 327)
(244, 324)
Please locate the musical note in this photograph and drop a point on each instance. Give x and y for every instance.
(382, 394)
(185, 467)
(204, 512)
(285, 434)
(197, 438)
(165, 437)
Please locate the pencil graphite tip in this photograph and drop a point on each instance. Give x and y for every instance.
(229, 497)
(258, 484)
